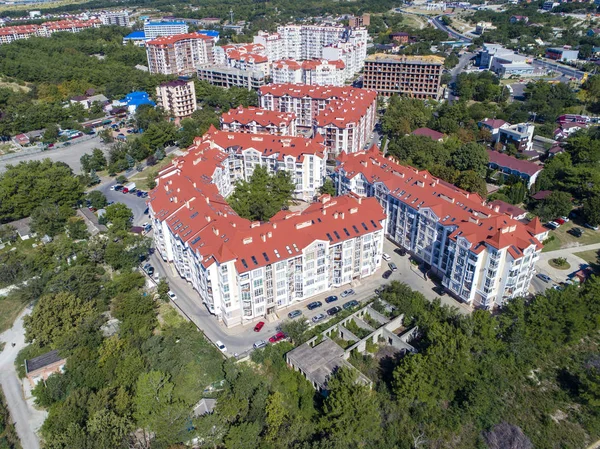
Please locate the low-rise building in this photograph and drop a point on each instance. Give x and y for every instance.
(40, 368)
(427, 132)
(505, 62)
(177, 98)
(243, 270)
(483, 257)
(414, 76)
(528, 171)
(400, 37)
(493, 126)
(360, 21)
(259, 121)
(229, 77)
(562, 54)
(520, 136)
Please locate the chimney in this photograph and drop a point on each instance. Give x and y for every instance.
(215, 230)
(274, 225)
(324, 211)
(207, 200)
(270, 234)
(342, 215)
(335, 215)
(263, 237)
(360, 200)
(497, 208)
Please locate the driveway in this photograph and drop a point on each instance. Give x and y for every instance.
(239, 339)
(27, 419)
(132, 201)
(568, 253)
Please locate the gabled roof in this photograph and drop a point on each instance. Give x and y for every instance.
(493, 123)
(506, 161)
(432, 134)
(42, 361)
(263, 117)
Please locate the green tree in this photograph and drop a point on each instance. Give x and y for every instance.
(97, 199)
(471, 156)
(50, 133)
(146, 115)
(472, 182)
(50, 219)
(120, 216)
(163, 289)
(294, 329)
(77, 229)
(276, 415)
(557, 204)
(350, 412)
(591, 210)
(328, 187)
(158, 135)
(404, 115)
(55, 318)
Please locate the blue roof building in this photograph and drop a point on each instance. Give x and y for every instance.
(137, 37)
(136, 99)
(210, 33)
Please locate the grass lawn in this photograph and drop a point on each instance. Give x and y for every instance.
(564, 240)
(141, 178)
(592, 257)
(10, 308)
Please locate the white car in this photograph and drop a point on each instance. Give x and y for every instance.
(172, 295)
(156, 276)
(221, 346)
(386, 257)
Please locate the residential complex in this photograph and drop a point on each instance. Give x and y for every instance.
(152, 30)
(344, 116)
(314, 72)
(180, 54)
(229, 77)
(414, 76)
(119, 18)
(13, 33)
(483, 257)
(259, 121)
(305, 42)
(243, 270)
(511, 166)
(178, 98)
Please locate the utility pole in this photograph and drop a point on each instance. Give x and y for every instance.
(231, 15)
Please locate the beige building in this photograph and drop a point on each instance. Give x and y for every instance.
(180, 54)
(414, 76)
(178, 98)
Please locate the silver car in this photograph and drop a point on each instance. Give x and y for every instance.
(319, 317)
(259, 344)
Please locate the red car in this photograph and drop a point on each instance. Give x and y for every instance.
(277, 337)
(560, 221)
(259, 326)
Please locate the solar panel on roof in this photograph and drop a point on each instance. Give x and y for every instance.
(244, 263)
(254, 260)
(346, 231)
(374, 225)
(355, 228)
(364, 226)
(194, 215)
(266, 257)
(196, 240)
(329, 237)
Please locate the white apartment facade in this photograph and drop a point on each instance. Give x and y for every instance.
(259, 121)
(180, 54)
(246, 270)
(178, 98)
(118, 18)
(483, 257)
(153, 30)
(314, 72)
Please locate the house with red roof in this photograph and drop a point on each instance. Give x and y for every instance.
(509, 165)
(493, 126)
(245, 270)
(484, 256)
(427, 132)
(258, 121)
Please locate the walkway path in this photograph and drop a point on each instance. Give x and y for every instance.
(568, 253)
(26, 418)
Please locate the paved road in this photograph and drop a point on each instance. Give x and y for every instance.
(26, 418)
(134, 202)
(437, 22)
(69, 155)
(565, 70)
(240, 338)
(568, 253)
(463, 61)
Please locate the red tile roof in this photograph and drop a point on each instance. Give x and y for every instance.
(435, 135)
(187, 200)
(474, 220)
(506, 161)
(493, 123)
(263, 117)
(541, 195)
(509, 209)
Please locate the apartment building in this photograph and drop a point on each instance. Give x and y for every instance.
(259, 121)
(314, 72)
(227, 77)
(520, 136)
(14, 33)
(119, 18)
(180, 54)
(343, 116)
(152, 30)
(303, 158)
(305, 42)
(360, 21)
(483, 256)
(244, 270)
(178, 98)
(414, 76)
(245, 60)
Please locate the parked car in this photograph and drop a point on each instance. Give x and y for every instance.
(172, 295)
(553, 225)
(294, 314)
(350, 304)
(387, 274)
(156, 277)
(566, 219)
(259, 326)
(347, 293)
(313, 305)
(392, 266)
(277, 337)
(400, 251)
(560, 221)
(576, 232)
(589, 226)
(118, 187)
(386, 257)
(259, 344)
(331, 299)
(544, 277)
(221, 346)
(334, 310)
(317, 318)
(150, 270)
